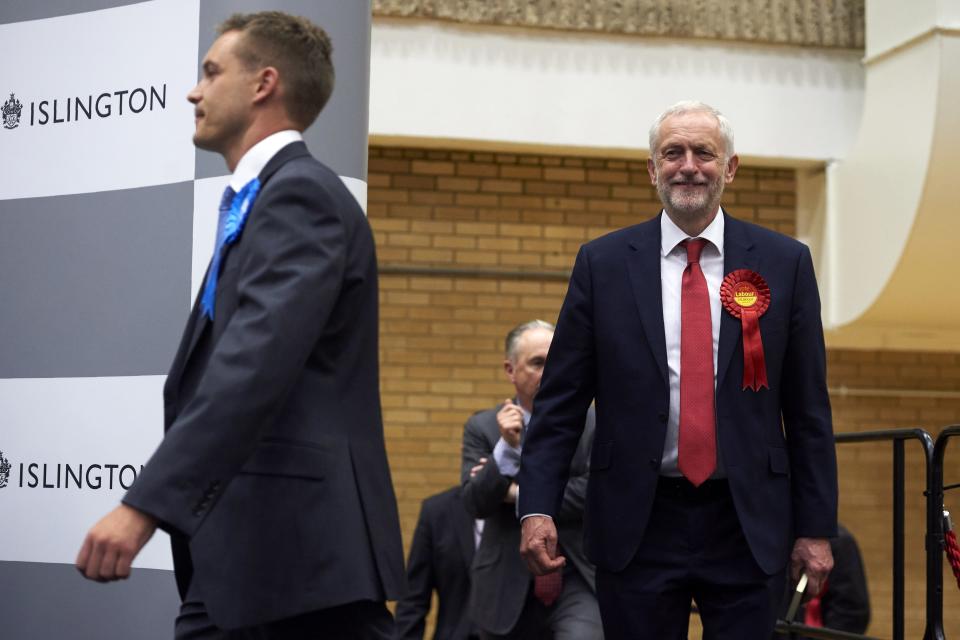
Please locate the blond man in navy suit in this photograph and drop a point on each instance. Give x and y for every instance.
(272, 478)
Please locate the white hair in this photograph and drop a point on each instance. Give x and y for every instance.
(512, 342)
(693, 106)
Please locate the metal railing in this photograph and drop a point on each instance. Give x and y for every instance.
(934, 597)
(933, 453)
(795, 629)
(935, 533)
(934, 630)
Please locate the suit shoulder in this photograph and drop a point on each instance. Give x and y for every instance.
(773, 240)
(484, 416)
(481, 429)
(304, 169)
(438, 501)
(621, 237)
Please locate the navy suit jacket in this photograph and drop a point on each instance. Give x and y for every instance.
(776, 444)
(272, 477)
(440, 558)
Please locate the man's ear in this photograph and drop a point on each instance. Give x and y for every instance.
(731, 169)
(652, 170)
(508, 369)
(268, 83)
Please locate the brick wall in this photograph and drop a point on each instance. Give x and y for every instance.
(470, 244)
(920, 391)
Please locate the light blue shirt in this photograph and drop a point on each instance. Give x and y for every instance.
(507, 457)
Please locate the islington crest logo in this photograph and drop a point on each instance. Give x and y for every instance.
(4, 470)
(11, 112)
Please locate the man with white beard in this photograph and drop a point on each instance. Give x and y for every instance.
(713, 469)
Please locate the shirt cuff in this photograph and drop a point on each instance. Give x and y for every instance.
(507, 458)
(542, 515)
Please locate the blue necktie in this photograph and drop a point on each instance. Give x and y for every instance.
(210, 289)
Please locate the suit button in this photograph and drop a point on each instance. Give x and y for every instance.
(662, 417)
(654, 463)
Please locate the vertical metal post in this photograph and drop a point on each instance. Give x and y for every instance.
(935, 532)
(898, 539)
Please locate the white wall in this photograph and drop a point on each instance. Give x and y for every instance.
(431, 80)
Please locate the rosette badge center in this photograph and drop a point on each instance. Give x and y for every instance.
(745, 295)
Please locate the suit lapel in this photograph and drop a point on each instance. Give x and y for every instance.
(463, 526)
(738, 253)
(643, 265)
(198, 321)
(187, 343)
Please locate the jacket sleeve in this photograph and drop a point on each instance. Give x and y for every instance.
(291, 260)
(562, 403)
(806, 412)
(484, 493)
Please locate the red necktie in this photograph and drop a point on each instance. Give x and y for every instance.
(697, 448)
(547, 587)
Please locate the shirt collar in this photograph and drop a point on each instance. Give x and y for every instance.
(671, 235)
(257, 156)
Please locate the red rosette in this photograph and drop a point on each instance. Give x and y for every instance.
(745, 295)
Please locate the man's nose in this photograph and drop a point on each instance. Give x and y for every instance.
(194, 96)
(689, 164)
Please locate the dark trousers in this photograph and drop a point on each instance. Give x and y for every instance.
(354, 621)
(574, 616)
(693, 549)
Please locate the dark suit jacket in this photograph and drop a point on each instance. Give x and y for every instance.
(500, 577)
(776, 444)
(440, 559)
(272, 477)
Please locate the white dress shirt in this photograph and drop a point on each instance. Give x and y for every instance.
(673, 261)
(257, 157)
(477, 532)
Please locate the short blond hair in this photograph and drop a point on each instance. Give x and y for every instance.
(299, 50)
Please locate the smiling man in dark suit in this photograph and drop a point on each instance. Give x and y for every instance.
(699, 337)
(272, 477)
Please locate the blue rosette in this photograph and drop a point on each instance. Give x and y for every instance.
(232, 228)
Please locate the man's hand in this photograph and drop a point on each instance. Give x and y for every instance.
(538, 545)
(510, 420)
(476, 468)
(113, 543)
(813, 557)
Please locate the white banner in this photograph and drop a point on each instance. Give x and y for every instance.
(97, 101)
(71, 447)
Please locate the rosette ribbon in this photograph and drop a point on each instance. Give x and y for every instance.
(745, 295)
(232, 228)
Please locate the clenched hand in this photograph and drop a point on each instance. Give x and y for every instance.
(813, 557)
(113, 543)
(538, 545)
